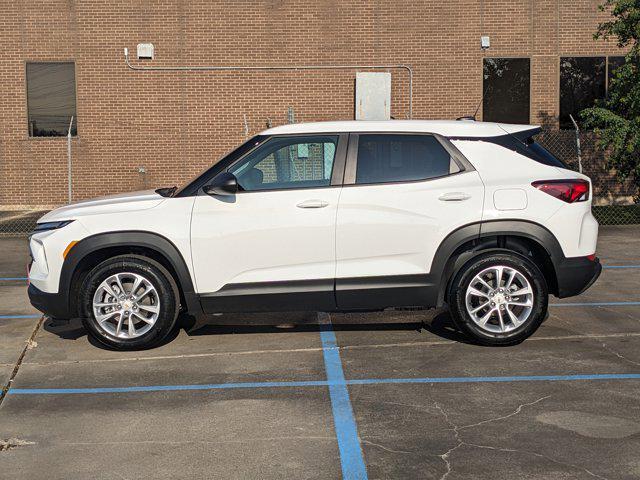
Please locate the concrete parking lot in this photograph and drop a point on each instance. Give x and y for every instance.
(385, 395)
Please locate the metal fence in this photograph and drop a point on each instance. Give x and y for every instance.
(613, 202)
(18, 222)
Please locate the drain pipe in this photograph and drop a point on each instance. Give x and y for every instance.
(407, 68)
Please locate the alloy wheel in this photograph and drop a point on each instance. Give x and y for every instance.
(499, 299)
(126, 305)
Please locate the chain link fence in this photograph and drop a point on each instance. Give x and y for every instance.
(613, 202)
(18, 222)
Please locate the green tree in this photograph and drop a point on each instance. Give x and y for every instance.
(616, 119)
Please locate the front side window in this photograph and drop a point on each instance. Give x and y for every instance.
(51, 99)
(288, 162)
(401, 158)
(506, 87)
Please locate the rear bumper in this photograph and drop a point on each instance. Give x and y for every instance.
(53, 305)
(575, 275)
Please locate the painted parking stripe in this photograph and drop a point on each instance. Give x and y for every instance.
(11, 279)
(351, 458)
(11, 317)
(323, 383)
(621, 266)
(508, 379)
(594, 304)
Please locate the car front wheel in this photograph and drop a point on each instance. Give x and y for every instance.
(499, 298)
(129, 302)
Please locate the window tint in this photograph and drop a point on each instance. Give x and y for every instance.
(542, 155)
(401, 158)
(527, 147)
(51, 99)
(288, 162)
(506, 88)
(582, 82)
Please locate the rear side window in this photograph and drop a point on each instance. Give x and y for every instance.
(401, 158)
(543, 155)
(529, 148)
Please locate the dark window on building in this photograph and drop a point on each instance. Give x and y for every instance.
(401, 158)
(614, 63)
(506, 88)
(51, 99)
(582, 83)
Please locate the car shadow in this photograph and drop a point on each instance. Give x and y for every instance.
(438, 323)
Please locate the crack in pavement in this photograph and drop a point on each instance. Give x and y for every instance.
(369, 442)
(539, 455)
(462, 443)
(512, 414)
(619, 355)
(29, 344)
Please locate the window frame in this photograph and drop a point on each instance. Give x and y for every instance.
(337, 173)
(352, 158)
(75, 95)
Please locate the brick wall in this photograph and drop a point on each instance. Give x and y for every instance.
(175, 124)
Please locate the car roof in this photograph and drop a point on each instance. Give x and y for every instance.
(447, 128)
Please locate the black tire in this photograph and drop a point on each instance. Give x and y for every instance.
(157, 275)
(461, 281)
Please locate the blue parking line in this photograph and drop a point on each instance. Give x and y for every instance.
(594, 304)
(11, 317)
(8, 279)
(520, 378)
(322, 383)
(351, 458)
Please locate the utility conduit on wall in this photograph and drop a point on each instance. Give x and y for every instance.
(276, 68)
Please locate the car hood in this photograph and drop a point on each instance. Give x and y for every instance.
(122, 202)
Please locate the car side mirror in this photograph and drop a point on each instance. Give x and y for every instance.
(224, 184)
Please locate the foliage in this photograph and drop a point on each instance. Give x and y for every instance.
(616, 119)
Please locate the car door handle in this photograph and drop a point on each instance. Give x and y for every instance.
(313, 204)
(454, 197)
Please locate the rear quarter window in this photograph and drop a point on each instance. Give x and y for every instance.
(528, 148)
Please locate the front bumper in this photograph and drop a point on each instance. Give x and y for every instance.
(575, 275)
(53, 305)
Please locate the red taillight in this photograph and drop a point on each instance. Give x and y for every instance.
(566, 190)
(592, 257)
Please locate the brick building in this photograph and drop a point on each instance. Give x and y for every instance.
(143, 129)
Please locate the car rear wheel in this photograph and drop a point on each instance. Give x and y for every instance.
(129, 302)
(499, 298)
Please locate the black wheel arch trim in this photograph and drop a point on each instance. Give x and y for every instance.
(447, 260)
(130, 238)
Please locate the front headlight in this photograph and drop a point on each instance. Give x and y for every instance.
(43, 227)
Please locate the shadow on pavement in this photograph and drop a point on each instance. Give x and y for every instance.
(439, 325)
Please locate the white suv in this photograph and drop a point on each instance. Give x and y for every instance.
(336, 216)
